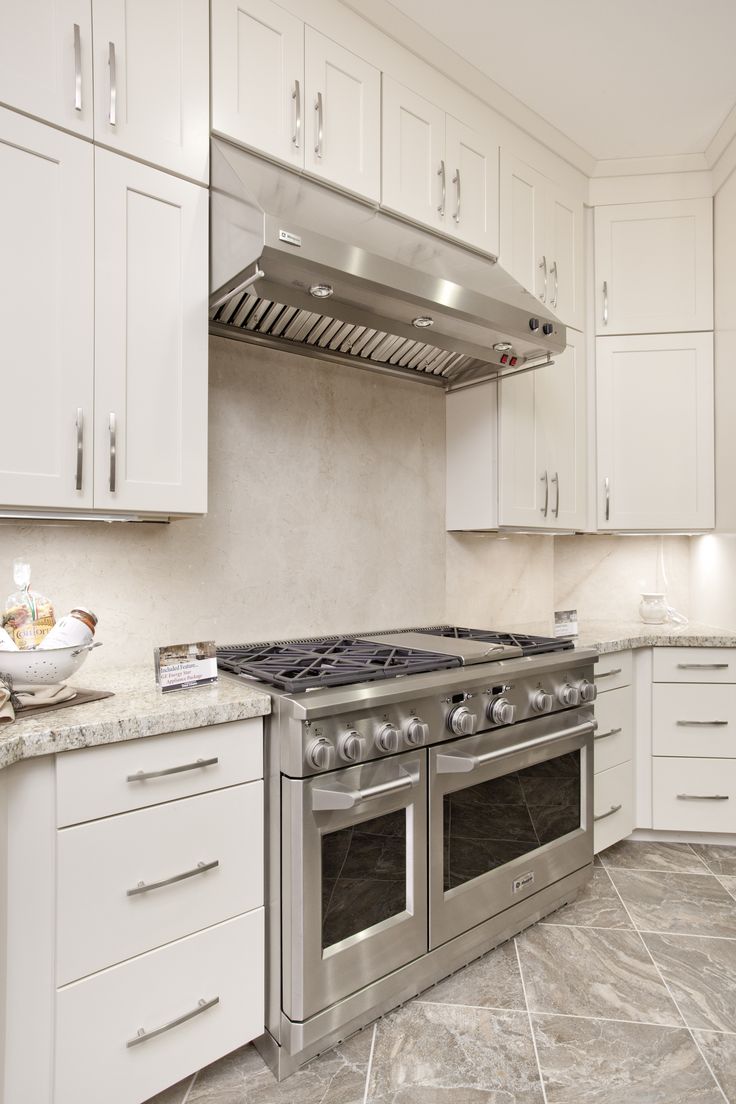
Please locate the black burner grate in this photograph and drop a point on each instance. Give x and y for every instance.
(530, 645)
(336, 661)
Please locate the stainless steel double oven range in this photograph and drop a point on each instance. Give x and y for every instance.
(430, 794)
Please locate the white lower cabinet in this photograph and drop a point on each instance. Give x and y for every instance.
(613, 807)
(613, 751)
(614, 737)
(125, 1034)
(694, 795)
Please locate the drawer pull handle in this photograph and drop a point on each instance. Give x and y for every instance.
(611, 811)
(702, 797)
(141, 776)
(607, 674)
(611, 732)
(146, 887)
(702, 666)
(702, 724)
(143, 1036)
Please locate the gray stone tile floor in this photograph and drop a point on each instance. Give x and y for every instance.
(626, 996)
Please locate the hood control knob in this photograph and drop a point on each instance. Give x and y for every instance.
(502, 712)
(461, 721)
(416, 732)
(568, 695)
(588, 691)
(350, 746)
(542, 701)
(321, 754)
(387, 738)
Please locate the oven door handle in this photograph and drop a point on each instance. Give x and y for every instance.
(325, 798)
(459, 763)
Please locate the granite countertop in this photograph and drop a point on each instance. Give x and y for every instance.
(617, 636)
(137, 709)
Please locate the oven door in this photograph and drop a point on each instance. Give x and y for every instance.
(511, 811)
(354, 879)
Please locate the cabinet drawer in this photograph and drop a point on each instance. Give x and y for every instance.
(694, 795)
(613, 743)
(696, 720)
(98, 782)
(97, 1019)
(613, 805)
(99, 921)
(613, 670)
(694, 665)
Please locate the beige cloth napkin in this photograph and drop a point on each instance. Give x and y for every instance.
(26, 695)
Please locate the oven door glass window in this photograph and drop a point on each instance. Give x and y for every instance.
(497, 821)
(363, 876)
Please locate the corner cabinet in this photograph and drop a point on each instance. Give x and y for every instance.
(543, 442)
(655, 432)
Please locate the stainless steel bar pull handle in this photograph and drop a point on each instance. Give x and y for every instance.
(456, 182)
(77, 68)
(702, 724)
(607, 491)
(296, 96)
(143, 1036)
(143, 776)
(543, 265)
(257, 275)
(80, 450)
(605, 302)
(458, 762)
(557, 283)
(702, 666)
(112, 116)
(702, 797)
(604, 735)
(319, 108)
(611, 811)
(443, 177)
(146, 887)
(112, 425)
(336, 797)
(556, 481)
(609, 674)
(545, 479)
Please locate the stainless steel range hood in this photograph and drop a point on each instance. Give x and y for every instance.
(278, 238)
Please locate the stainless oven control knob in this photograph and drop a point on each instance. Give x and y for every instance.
(461, 721)
(568, 695)
(542, 702)
(502, 712)
(350, 746)
(321, 754)
(588, 691)
(387, 738)
(416, 732)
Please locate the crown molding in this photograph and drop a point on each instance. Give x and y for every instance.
(722, 138)
(646, 166)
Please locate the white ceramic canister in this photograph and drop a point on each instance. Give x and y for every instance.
(75, 628)
(653, 609)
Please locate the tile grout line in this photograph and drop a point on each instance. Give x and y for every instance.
(672, 998)
(658, 870)
(700, 858)
(187, 1094)
(646, 931)
(531, 1024)
(370, 1064)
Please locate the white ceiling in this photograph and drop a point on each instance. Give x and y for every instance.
(622, 78)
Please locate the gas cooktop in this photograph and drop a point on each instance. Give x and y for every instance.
(298, 665)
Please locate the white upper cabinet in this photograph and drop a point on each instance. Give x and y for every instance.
(152, 81)
(46, 60)
(414, 165)
(472, 168)
(258, 94)
(471, 455)
(655, 432)
(542, 238)
(343, 117)
(437, 170)
(150, 339)
(542, 444)
(46, 315)
(654, 267)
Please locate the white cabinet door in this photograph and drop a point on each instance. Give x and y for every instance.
(655, 431)
(654, 267)
(561, 397)
(414, 166)
(523, 488)
(524, 213)
(258, 95)
(46, 60)
(150, 339)
(566, 257)
(472, 179)
(343, 113)
(472, 468)
(152, 81)
(46, 315)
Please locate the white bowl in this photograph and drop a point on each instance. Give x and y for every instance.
(43, 666)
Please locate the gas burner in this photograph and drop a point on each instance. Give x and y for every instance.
(530, 645)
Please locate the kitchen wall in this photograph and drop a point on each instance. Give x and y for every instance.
(326, 514)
